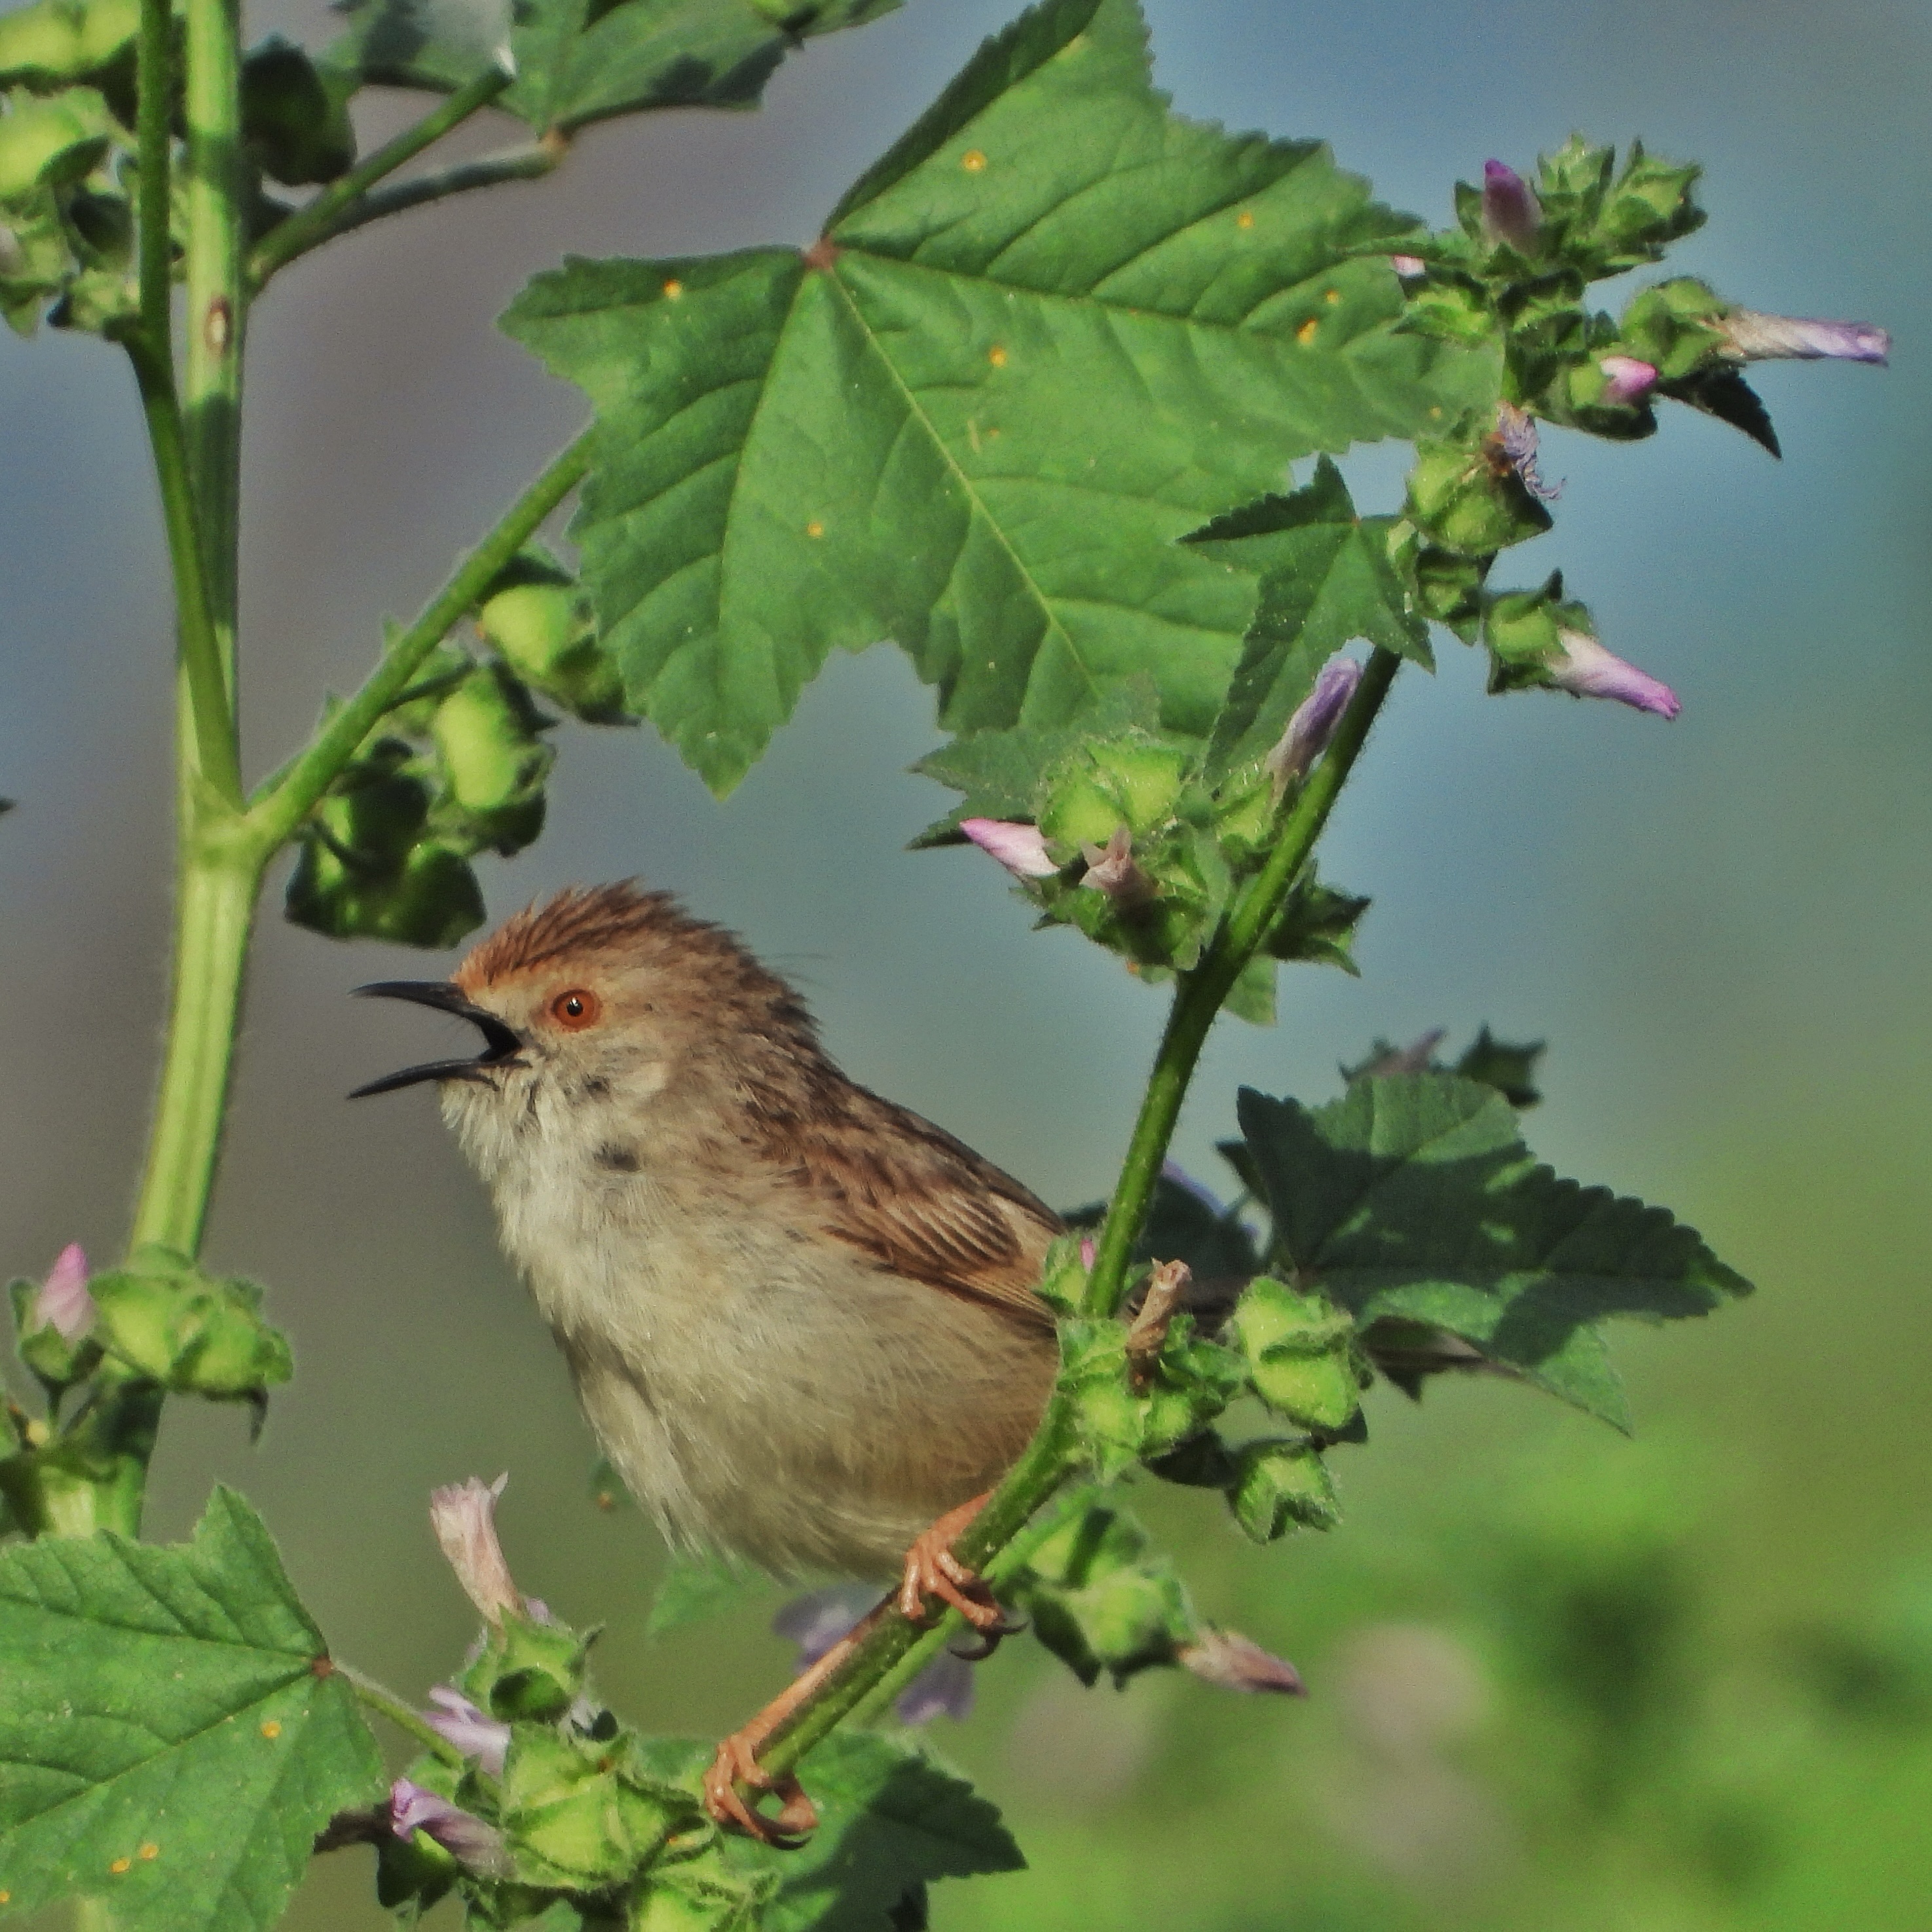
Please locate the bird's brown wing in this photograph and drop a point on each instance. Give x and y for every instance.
(926, 1205)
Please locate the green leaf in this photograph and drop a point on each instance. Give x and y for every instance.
(172, 1741)
(1053, 330)
(1326, 577)
(696, 1589)
(1414, 1196)
(891, 1820)
(1509, 1068)
(577, 62)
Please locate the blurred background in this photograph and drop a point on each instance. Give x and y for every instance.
(1558, 1679)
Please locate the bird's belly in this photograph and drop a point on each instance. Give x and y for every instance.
(804, 1410)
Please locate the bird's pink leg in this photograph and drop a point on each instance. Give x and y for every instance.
(931, 1570)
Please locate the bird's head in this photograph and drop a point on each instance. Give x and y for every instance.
(596, 995)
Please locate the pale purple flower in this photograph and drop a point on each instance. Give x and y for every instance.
(1511, 212)
(1089, 1248)
(1514, 439)
(1019, 848)
(1588, 670)
(63, 1303)
(1314, 722)
(1408, 266)
(1111, 869)
(1628, 379)
(473, 1731)
(464, 1518)
(1753, 337)
(1237, 1663)
(475, 1844)
(817, 1621)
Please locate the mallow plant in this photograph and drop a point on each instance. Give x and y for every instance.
(1052, 403)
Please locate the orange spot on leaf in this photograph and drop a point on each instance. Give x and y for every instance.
(1245, 219)
(972, 161)
(814, 528)
(672, 289)
(120, 1865)
(1305, 334)
(997, 356)
(271, 1729)
(151, 1850)
(1332, 296)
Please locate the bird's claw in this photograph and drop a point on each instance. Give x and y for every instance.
(931, 1570)
(737, 1763)
(989, 1640)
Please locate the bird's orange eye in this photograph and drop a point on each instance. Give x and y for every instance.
(576, 1008)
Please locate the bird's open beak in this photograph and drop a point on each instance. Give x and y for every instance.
(500, 1043)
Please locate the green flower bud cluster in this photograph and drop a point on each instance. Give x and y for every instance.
(457, 768)
(66, 216)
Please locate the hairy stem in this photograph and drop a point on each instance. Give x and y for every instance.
(154, 90)
(211, 390)
(996, 1541)
(281, 805)
(339, 206)
(404, 1716)
(1202, 992)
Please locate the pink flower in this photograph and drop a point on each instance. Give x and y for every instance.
(1019, 848)
(1759, 338)
(475, 1846)
(1237, 1663)
(1111, 869)
(464, 1518)
(63, 1303)
(1089, 1248)
(473, 1733)
(1314, 722)
(1629, 380)
(1511, 212)
(1408, 266)
(1588, 670)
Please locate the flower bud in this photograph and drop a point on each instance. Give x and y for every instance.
(1587, 669)
(1408, 266)
(1314, 722)
(1511, 212)
(1089, 1248)
(1111, 869)
(474, 1844)
(1752, 337)
(472, 1732)
(63, 1303)
(1237, 1663)
(463, 1516)
(1021, 848)
(1626, 379)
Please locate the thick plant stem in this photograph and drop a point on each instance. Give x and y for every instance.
(280, 805)
(897, 1649)
(216, 320)
(1202, 991)
(220, 871)
(153, 136)
(334, 210)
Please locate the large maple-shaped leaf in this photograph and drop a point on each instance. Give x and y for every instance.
(577, 61)
(1054, 330)
(1413, 1197)
(1326, 578)
(170, 1740)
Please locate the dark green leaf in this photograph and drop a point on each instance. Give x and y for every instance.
(171, 1739)
(1511, 1069)
(578, 61)
(1414, 1196)
(1724, 394)
(1326, 578)
(906, 432)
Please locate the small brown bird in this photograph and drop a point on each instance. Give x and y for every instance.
(802, 1320)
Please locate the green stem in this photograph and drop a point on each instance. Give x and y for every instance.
(221, 872)
(405, 1717)
(153, 136)
(207, 720)
(281, 805)
(217, 320)
(1201, 992)
(995, 1541)
(333, 211)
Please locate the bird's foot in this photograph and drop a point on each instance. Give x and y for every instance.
(737, 1763)
(931, 1570)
